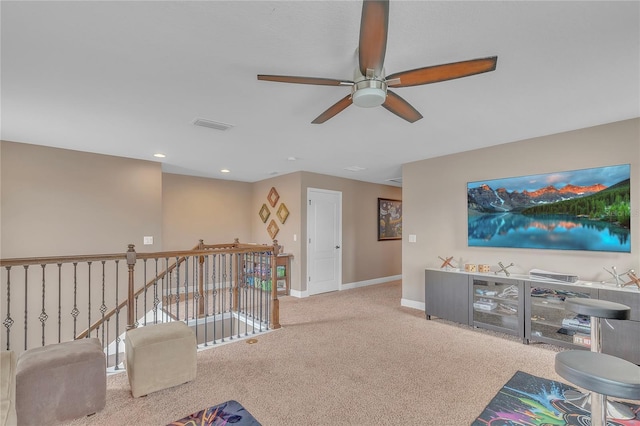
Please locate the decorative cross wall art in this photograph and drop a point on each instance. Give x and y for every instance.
(282, 213)
(273, 197)
(264, 213)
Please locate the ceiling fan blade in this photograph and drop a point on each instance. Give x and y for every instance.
(401, 108)
(305, 80)
(333, 110)
(373, 35)
(444, 72)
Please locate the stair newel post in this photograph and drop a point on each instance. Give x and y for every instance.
(275, 303)
(131, 265)
(201, 280)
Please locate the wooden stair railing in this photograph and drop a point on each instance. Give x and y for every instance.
(200, 251)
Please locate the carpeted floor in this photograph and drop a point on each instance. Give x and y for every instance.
(533, 401)
(354, 357)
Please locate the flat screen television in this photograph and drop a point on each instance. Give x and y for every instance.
(586, 209)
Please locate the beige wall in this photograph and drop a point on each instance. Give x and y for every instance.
(363, 256)
(194, 208)
(288, 187)
(61, 202)
(435, 205)
(57, 202)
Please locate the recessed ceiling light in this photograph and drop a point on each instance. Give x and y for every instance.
(292, 158)
(225, 171)
(159, 155)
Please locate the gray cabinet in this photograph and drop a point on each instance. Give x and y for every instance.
(531, 309)
(622, 338)
(497, 303)
(446, 295)
(548, 321)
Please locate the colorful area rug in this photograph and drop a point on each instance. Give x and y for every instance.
(528, 400)
(227, 413)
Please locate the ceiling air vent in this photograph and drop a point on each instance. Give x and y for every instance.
(355, 168)
(212, 124)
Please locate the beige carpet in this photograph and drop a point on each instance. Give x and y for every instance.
(354, 357)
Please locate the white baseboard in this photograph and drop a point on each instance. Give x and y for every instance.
(371, 282)
(412, 304)
(301, 294)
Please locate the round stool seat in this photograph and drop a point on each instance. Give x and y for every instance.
(597, 308)
(600, 373)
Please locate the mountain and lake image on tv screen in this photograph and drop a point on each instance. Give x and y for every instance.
(586, 209)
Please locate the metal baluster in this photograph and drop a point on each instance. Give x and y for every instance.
(272, 280)
(135, 309)
(196, 292)
(75, 311)
(59, 302)
(260, 292)
(177, 288)
(166, 283)
(223, 287)
(214, 283)
(117, 349)
(236, 291)
(230, 284)
(251, 283)
(186, 289)
(156, 301)
(103, 306)
(107, 327)
(43, 315)
(205, 278)
(26, 270)
(145, 291)
(243, 292)
(89, 295)
(8, 321)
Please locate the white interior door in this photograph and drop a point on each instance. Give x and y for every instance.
(324, 240)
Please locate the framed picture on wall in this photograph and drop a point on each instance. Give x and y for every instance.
(588, 209)
(389, 219)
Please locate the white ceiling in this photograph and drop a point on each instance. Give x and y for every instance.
(128, 78)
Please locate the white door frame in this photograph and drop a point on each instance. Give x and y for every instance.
(338, 236)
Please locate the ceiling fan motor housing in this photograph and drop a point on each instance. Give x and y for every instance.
(369, 93)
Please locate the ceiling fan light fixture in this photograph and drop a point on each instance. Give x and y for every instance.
(369, 93)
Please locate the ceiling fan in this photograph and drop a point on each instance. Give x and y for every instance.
(369, 88)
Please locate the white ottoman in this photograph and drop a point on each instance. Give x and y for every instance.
(160, 356)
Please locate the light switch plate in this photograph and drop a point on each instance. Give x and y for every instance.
(148, 241)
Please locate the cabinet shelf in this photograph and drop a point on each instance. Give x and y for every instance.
(532, 309)
(504, 302)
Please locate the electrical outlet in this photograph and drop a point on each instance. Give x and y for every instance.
(148, 241)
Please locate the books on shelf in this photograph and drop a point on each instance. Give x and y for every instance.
(582, 340)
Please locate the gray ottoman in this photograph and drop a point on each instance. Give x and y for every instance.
(60, 382)
(160, 356)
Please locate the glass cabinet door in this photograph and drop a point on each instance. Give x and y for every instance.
(549, 322)
(497, 304)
